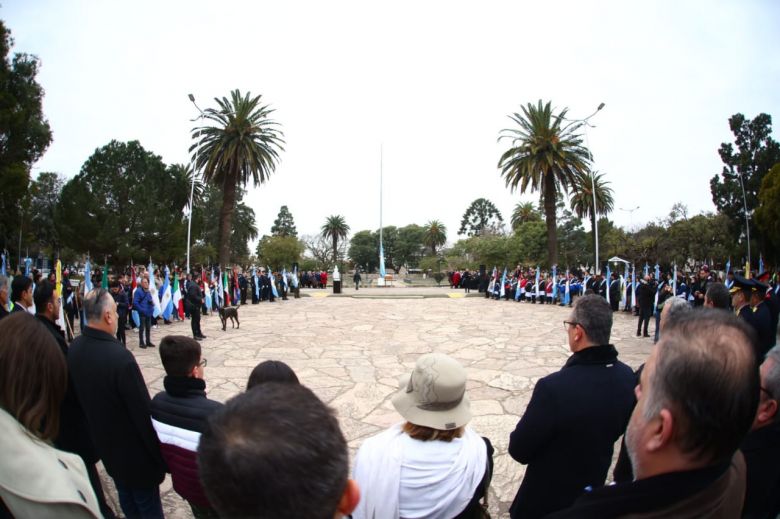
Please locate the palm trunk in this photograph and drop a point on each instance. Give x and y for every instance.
(335, 249)
(225, 222)
(549, 214)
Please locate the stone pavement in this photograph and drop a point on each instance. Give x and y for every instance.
(351, 352)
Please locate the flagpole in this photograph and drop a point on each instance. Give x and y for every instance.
(192, 185)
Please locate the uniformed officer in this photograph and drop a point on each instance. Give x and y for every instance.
(759, 317)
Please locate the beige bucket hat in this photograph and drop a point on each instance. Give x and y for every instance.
(434, 395)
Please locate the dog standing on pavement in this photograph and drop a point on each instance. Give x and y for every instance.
(229, 312)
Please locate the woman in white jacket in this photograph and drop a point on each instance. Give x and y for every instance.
(432, 465)
(36, 480)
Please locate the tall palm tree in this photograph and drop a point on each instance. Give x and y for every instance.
(582, 198)
(435, 235)
(545, 155)
(524, 212)
(335, 229)
(241, 143)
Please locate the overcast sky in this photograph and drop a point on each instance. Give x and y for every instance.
(433, 82)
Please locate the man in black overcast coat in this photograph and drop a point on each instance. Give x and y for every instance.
(575, 415)
(114, 397)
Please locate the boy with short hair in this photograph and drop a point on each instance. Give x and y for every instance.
(179, 416)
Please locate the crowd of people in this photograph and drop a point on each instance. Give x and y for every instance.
(699, 422)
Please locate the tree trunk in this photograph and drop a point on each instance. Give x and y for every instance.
(225, 222)
(335, 249)
(549, 215)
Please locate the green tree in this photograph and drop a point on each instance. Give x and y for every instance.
(582, 197)
(768, 212)
(524, 212)
(363, 250)
(389, 243)
(45, 194)
(24, 131)
(545, 156)
(242, 143)
(125, 204)
(205, 227)
(481, 217)
(435, 235)
(527, 245)
(284, 225)
(335, 229)
(279, 252)
(410, 246)
(756, 153)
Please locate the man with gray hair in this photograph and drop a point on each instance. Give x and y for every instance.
(115, 400)
(575, 416)
(697, 397)
(762, 446)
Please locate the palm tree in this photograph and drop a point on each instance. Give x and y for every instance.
(524, 212)
(435, 235)
(582, 198)
(335, 228)
(241, 144)
(545, 156)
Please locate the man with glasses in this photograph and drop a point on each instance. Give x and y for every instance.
(575, 416)
(761, 447)
(179, 416)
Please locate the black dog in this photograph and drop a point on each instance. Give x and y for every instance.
(229, 312)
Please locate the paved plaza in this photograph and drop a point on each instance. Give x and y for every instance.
(352, 350)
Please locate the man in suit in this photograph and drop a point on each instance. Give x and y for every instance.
(113, 394)
(759, 318)
(194, 302)
(645, 294)
(567, 433)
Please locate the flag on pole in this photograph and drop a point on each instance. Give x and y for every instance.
(104, 281)
(166, 297)
(134, 284)
(178, 302)
(257, 283)
(647, 270)
(555, 281)
(88, 278)
(609, 283)
(225, 289)
(567, 290)
(294, 277)
(3, 269)
(728, 265)
(674, 280)
(58, 291)
(536, 282)
(153, 291)
(657, 272)
(633, 287)
(623, 287)
(27, 263)
(502, 290)
(760, 264)
(381, 261)
(273, 282)
(284, 280)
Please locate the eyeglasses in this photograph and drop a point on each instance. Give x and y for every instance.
(203, 362)
(572, 324)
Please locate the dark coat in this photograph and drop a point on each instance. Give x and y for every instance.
(120, 298)
(143, 302)
(74, 435)
(761, 449)
(645, 296)
(194, 297)
(567, 433)
(713, 492)
(115, 400)
(179, 414)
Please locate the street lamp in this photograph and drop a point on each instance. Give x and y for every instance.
(630, 215)
(192, 187)
(747, 224)
(585, 123)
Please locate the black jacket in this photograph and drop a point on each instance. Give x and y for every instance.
(74, 435)
(645, 296)
(120, 298)
(194, 296)
(569, 428)
(115, 400)
(762, 457)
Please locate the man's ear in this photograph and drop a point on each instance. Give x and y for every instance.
(662, 430)
(350, 498)
(767, 411)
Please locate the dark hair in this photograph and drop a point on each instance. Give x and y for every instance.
(275, 451)
(271, 371)
(33, 374)
(95, 303)
(179, 354)
(719, 295)
(707, 374)
(594, 314)
(114, 283)
(44, 292)
(19, 285)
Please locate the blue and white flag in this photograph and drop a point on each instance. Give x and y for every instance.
(518, 289)
(657, 272)
(623, 287)
(220, 298)
(647, 270)
(760, 264)
(502, 291)
(87, 278)
(294, 277)
(382, 272)
(273, 282)
(257, 283)
(728, 265)
(633, 287)
(3, 270)
(609, 283)
(555, 281)
(27, 263)
(536, 282)
(674, 282)
(166, 297)
(567, 292)
(284, 280)
(153, 291)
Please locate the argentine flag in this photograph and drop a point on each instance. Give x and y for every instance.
(273, 282)
(166, 297)
(567, 292)
(153, 291)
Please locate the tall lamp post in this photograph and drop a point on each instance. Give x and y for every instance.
(585, 123)
(192, 187)
(747, 221)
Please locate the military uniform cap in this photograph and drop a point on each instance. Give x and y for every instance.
(742, 283)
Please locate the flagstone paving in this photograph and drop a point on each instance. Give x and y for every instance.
(351, 352)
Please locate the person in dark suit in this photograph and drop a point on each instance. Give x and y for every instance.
(73, 435)
(614, 292)
(120, 298)
(645, 294)
(567, 433)
(761, 447)
(763, 314)
(759, 318)
(195, 301)
(113, 394)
